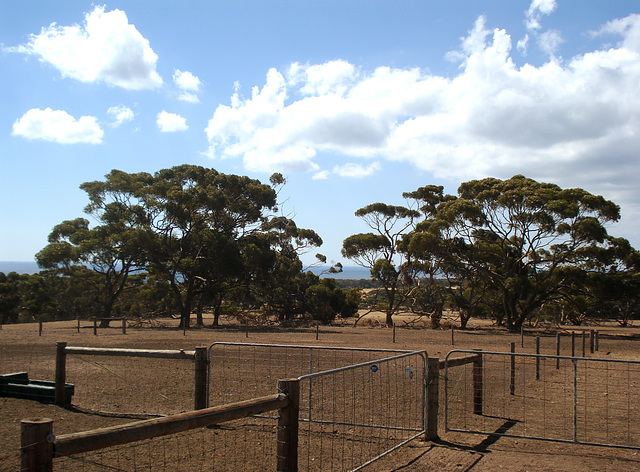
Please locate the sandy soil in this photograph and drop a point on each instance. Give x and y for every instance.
(23, 349)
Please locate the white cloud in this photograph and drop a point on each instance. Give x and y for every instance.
(536, 10)
(549, 41)
(188, 84)
(628, 28)
(322, 175)
(120, 114)
(170, 122)
(356, 170)
(105, 48)
(573, 121)
(332, 77)
(57, 126)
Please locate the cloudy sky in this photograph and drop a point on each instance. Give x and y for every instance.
(353, 101)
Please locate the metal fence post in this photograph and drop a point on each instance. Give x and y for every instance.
(61, 373)
(512, 382)
(433, 380)
(287, 435)
(477, 384)
(201, 399)
(36, 451)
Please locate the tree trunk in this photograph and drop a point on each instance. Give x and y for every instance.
(199, 321)
(217, 310)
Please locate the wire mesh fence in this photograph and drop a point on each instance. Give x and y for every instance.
(131, 385)
(556, 398)
(352, 415)
(247, 444)
(355, 403)
(238, 371)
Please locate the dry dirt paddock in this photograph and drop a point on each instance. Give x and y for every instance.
(23, 348)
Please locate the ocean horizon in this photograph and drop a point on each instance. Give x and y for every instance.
(348, 272)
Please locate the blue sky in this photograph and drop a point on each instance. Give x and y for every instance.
(353, 101)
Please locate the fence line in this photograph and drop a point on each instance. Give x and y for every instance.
(548, 397)
(353, 415)
(199, 356)
(39, 447)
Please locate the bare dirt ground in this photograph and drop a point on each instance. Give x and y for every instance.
(22, 349)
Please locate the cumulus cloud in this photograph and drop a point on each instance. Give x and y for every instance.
(105, 48)
(536, 10)
(57, 126)
(573, 121)
(120, 114)
(548, 41)
(356, 170)
(628, 28)
(188, 85)
(170, 122)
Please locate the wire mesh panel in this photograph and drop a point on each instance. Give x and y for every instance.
(246, 444)
(352, 415)
(239, 371)
(131, 385)
(556, 398)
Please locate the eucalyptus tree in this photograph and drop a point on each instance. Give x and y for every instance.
(279, 281)
(190, 221)
(606, 285)
(518, 237)
(100, 258)
(379, 250)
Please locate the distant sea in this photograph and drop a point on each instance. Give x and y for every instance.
(348, 272)
(21, 267)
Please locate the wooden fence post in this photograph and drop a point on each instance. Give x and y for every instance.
(477, 384)
(61, 373)
(124, 326)
(557, 351)
(36, 449)
(95, 327)
(537, 358)
(201, 399)
(592, 344)
(287, 434)
(453, 343)
(512, 382)
(40, 326)
(573, 344)
(394, 334)
(433, 380)
(597, 341)
(583, 344)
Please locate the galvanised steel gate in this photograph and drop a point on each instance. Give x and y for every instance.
(554, 398)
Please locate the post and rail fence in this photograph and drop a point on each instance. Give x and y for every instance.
(199, 356)
(39, 445)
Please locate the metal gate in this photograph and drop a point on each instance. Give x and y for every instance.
(553, 398)
(356, 404)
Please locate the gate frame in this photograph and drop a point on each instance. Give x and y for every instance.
(513, 355)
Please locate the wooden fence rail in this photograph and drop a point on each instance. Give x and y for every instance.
(433, 388)
(39, 446)
(199, 356)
